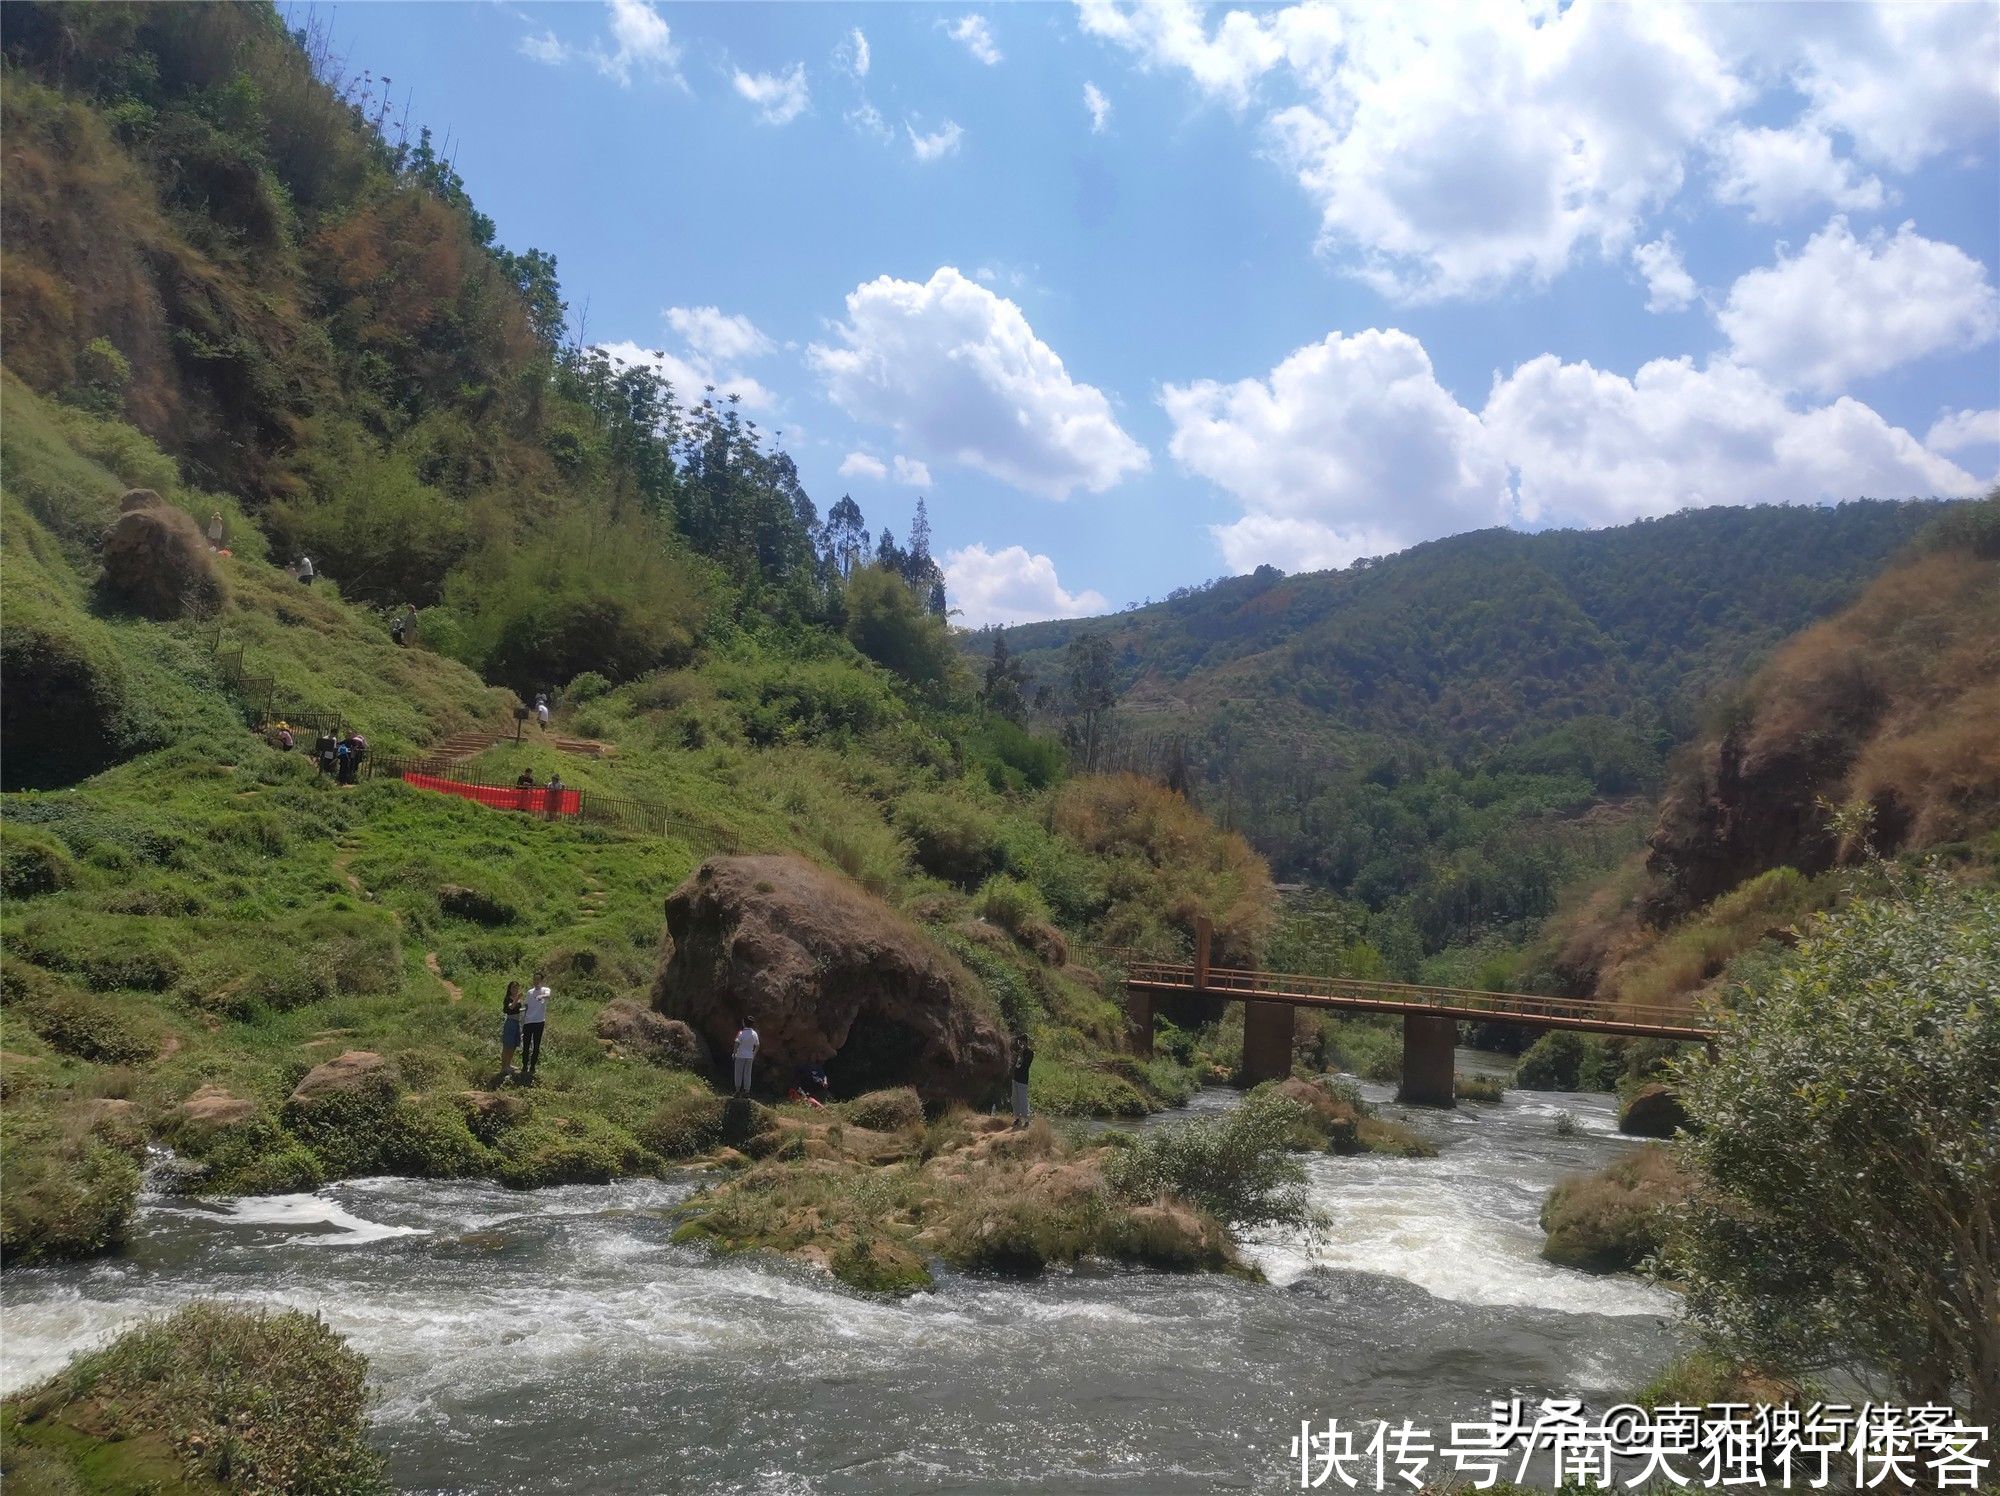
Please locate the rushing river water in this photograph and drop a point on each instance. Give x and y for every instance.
(557, 1341)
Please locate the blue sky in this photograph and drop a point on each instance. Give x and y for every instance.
(1137, 295)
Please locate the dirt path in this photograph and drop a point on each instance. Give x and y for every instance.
(451, 988)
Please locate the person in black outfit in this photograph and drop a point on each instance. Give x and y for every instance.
(1024, 1056)
(326, 751)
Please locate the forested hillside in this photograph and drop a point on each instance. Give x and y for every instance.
(1869, 735)
(1446, 735)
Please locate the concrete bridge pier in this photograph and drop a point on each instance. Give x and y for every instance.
(1267, 1041)
(1428, 1060)
(1139, 1022)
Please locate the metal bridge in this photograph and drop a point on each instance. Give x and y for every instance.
(1431, 1015)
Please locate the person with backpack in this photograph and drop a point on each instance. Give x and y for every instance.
(326, 753)
(343, 762)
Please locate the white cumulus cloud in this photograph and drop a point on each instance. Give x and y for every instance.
(939, 143)
(852, 55)
(972, 32)
(1669, 287)
(641, 41)
(1012, 586)
(691, 376)
(1098, 107)
(861, 465)
(1963, 429)
(1843, 308)
(1350, 447)
(718, 336)
(909, 470)
(958, 373)
(1777, 173)
(547, 48)
(779, 98)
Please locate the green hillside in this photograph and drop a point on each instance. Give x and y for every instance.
(1447, 735)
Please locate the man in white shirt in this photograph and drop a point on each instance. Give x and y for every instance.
(746, 1051)
(534, 1017)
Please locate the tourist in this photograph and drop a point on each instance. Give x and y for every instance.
(534, 1018)
(811, 1087)
(1024, 1056)
(542, 710)
(305, 571)
(215, 531)
(745, 1052)
(526, 781)
(396, 630)
(324, 752)
(510, 1031)
(343, 762)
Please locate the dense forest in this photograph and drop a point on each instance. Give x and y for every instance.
(1446, 736)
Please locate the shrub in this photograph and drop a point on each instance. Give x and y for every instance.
(890, 624)
(586, 687)
(1613, 1220)
(1235, 1167)
(1845, 1140)
(1478, 1088)
(32, 864)
(1011, 904)
(952, 840)
(1075, 1091)
(886, 1111)
(247, 1399)
(1562, 1060)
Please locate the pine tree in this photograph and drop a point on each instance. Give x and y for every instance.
(1004, 693)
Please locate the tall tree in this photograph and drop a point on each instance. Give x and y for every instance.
(1005, 690)
(845, 537)
(1089, 696)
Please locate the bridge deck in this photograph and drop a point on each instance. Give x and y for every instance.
(1399, 997)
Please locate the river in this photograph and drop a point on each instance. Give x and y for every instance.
(558, 1341)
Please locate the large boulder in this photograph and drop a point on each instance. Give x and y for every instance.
(1653, 1111)
(830, 976)
(358, 1072)
(157, 561)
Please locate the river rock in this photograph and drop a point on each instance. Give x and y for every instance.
(1653, 1112)
(357, 1072)
(829, 975)
(213, 1107)
(638, 1030)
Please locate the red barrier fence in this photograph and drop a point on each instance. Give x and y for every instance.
(537, 801)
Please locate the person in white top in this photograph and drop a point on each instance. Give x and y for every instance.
(534, 1018)
(746, 1051)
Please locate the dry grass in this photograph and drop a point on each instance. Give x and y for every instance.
(1611, 1221)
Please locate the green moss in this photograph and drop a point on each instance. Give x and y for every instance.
(877, 1265)
(32, 864)
(547, 1149)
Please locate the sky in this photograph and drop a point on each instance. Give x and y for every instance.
(1135, 295)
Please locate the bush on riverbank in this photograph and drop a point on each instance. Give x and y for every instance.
(1237, 1167)
(1334, 1119)
(209, 1397)
(1478, 1088)
(70, 1191)
(1613, 1220)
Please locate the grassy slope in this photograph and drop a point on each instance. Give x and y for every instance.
(209, 912)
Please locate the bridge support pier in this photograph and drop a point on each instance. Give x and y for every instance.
(1267, 1041)
(1428, 1060)
(1139, 1022)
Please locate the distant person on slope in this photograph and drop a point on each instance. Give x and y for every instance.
(534, 1018)
(510, 1031)
(326, 753)
(526, 781)
(542, 710)
(745, 1053)
(215, 531)
(305, 571)
(1024, 1056)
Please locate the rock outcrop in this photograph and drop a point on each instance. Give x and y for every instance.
(358, 1072)
(638, 1030)
(830, 976)
(1653, 1111)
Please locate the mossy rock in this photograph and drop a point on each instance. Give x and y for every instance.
(1612, 1220)
(68, 1194)
(700, 1121)
(875, 1264)
(1478, 1088)
(892, 1110)
(546, 1150)
(1652, 1111)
